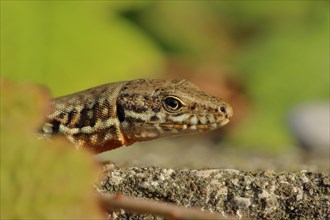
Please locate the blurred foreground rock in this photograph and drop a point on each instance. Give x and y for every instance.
(253, 195)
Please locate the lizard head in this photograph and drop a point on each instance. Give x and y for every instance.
(149, 109)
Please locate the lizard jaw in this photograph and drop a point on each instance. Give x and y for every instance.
(209, 126)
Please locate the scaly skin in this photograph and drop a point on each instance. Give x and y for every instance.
(118, 114)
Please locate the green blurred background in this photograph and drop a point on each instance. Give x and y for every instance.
(275, 52)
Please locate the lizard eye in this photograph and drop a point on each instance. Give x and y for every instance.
(172, 104)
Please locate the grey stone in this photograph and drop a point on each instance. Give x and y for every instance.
(252, 195)
(309, 123)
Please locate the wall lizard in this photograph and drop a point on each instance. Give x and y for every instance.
(121, 113)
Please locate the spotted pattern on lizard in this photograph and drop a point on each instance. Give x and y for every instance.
(121, 113)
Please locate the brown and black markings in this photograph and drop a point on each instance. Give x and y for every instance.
(122, 113)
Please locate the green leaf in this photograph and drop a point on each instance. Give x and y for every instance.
(40, 179)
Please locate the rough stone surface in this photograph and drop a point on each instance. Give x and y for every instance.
(254, 195)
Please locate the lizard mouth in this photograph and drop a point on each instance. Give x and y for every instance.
(208, 126)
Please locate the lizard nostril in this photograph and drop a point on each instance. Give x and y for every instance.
(227, 111)
(223, 110)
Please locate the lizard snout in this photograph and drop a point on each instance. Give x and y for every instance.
(227, 110)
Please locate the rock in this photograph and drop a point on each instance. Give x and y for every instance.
(253, 195)
(309, 123)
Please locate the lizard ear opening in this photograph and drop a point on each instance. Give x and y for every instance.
(120, 113)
